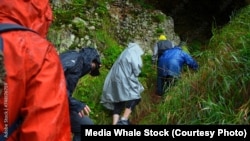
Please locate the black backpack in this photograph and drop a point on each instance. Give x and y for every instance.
(4, 27)
(162, 46)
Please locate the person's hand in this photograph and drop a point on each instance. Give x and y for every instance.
(86, 110)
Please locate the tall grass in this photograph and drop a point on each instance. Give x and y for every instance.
(219, 92)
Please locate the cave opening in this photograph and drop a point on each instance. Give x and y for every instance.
(193, 20)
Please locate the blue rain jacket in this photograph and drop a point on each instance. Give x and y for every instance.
(172, 61)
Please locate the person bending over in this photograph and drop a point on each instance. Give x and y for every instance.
(76, 65)
(122, 89)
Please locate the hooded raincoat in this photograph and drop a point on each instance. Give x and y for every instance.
(122, 83)
(172, 61)
(76, 65)
(35, 88)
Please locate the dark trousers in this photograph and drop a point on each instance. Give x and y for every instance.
(76, 121)
(164, 83)
(119, 107)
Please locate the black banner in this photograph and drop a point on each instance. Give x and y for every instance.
(239, 132)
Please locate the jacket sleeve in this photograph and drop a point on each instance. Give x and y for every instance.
(190, 61)
(75, 104)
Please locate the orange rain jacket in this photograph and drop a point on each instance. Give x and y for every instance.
(36, 89)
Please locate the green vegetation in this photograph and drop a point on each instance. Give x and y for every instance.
(159, 18)
(217, 94)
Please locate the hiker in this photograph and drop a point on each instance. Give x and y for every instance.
(34, 99)
(160, 47)
(122, 89)
(76, 65)
(170, 65)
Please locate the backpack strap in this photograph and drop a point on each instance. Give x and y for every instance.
(4, 136)
(1, 44)
(4, 27)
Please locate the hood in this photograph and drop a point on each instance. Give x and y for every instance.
(136, 48)
(34, 14)
(89, 55)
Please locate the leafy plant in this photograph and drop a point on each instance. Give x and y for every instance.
(159, 18)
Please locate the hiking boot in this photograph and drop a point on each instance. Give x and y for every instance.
(122, 122)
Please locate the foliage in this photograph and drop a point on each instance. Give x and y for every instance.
(217, 94)
(159, 18)
(101, 9)
(143, 4)
(159, 30)
(111, 50)
(111, 53)
(66, 13)
(89, 90)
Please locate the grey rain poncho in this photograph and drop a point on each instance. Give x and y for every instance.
(122, 83)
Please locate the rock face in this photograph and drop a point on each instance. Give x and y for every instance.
(185, 20)
(140, 24)
(129, 21)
